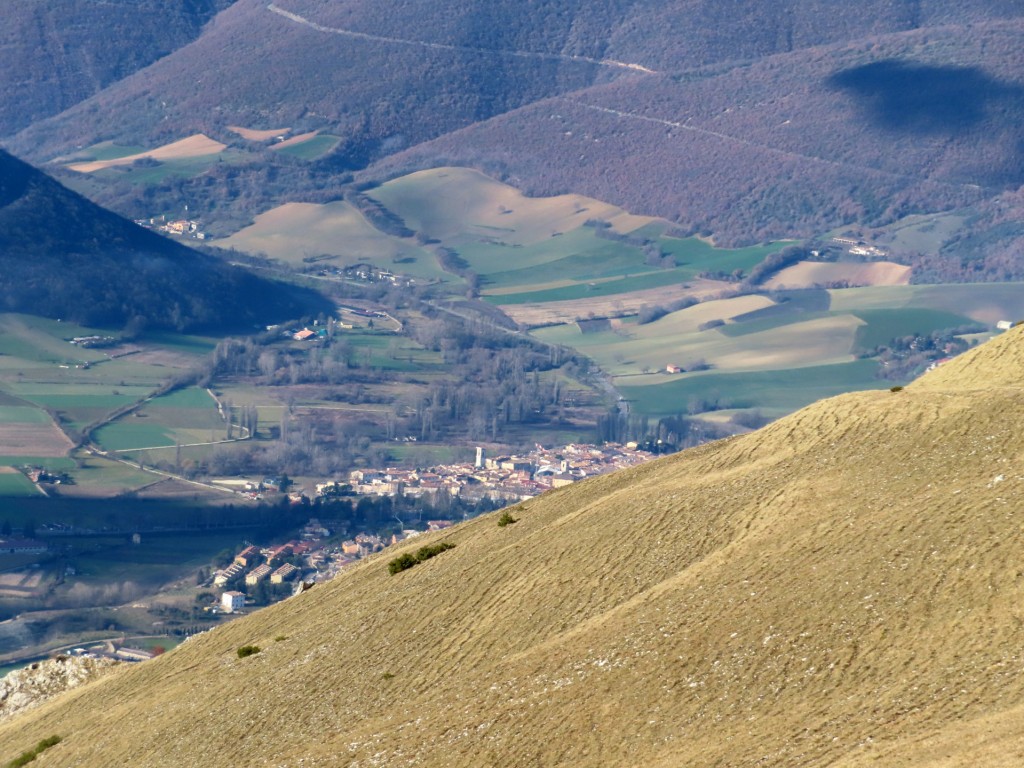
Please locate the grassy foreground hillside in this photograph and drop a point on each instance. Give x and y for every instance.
(841, 588)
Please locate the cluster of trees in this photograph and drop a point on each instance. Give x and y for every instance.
(490, 385)
(776, 262)
(668, 434)
(648, 313)
(382, 218)
(906, 357)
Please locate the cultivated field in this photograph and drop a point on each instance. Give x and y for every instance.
(650, 348)
(301, 138)
(453, 203)
(184, 417)
(542, 250)
(776, 356)
(808, 274)
(198, 145)
(14, 483)
(41, 373)
(984, 302)
(334, 234)
(804, 595)
(35, 436)
(312, 148)
(252, 134)
(540, 261)
(541, 313)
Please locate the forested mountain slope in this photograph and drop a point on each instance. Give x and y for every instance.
(791, 144)
(386, 76)
(62, 256)
(747, 121)
(840, 588)
(54, 53)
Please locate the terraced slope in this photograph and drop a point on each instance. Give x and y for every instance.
(841, 588)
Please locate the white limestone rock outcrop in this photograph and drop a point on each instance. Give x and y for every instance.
(42, 680)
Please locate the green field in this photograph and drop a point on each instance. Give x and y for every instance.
(184, 416)
(53, 463)
(105, 150)
(16, 484)
(42, 373)
(314, 148)
(22, 415)
(922, 234)
(99, 475)
(700, 256)
(778, 356)
(146, 174)
(775, 392)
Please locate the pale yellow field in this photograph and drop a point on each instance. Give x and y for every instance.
(687, 320)
(255, 135)
(554, 312)
(807, 274)
(302, 137)
(193, 146)
(446, 202)
(545, 286)
(296, 230)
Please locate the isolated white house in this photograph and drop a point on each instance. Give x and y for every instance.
(232, 601)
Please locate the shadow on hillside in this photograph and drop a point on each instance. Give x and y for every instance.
(951, 101)
(925, 99)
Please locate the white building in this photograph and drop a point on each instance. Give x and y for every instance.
(232, 601)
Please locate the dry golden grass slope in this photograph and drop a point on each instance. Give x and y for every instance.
(842, 588)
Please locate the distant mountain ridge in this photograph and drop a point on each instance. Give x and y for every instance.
(841, 588)
(389, 76)
(63, 256)
(745, 121)
(790, 145)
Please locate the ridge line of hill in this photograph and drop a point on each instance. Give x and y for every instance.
(274, 8)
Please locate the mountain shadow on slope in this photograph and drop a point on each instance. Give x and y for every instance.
(925, 99)
(63, 256)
